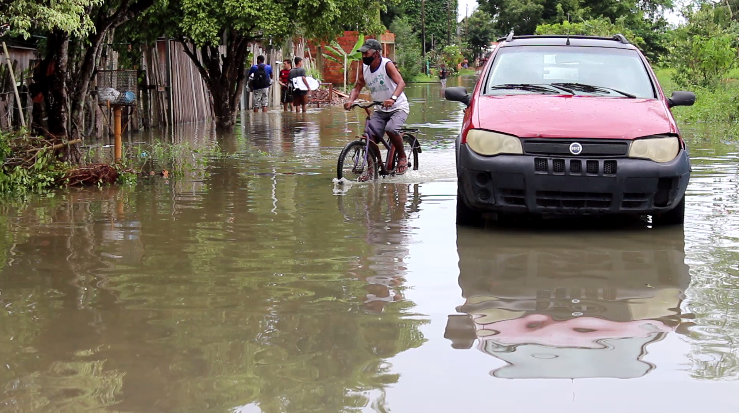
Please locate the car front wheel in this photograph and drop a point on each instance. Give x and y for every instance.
(467, 216)
(675, 216)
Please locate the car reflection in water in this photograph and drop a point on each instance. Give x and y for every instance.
(569, 305)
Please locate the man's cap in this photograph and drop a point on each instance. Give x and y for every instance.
(371, 44)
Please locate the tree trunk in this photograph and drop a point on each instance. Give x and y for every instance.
(224, 76)
(57, 98)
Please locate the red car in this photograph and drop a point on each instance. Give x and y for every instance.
(572, 125)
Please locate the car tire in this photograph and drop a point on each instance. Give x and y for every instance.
(675, 216)
(467, 216)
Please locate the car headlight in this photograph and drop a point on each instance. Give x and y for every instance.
(492, 143)
(658, 149)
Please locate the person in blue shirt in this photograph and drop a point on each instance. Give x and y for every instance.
(261, 79)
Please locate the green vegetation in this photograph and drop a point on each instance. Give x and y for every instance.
(407, 48)
(25, 168)
(343, 58)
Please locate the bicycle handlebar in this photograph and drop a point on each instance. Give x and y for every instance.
(365, 105)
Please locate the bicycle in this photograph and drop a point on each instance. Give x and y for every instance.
(364, 156)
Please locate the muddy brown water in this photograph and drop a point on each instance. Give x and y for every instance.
(259, 285)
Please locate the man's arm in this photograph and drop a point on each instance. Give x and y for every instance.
(392, 71)
(357, 88)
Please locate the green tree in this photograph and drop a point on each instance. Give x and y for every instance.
(74, 32)
(704, 49)
(432, 19)
(478, 31)
(594, 27)
(407, 47)
(216, 35)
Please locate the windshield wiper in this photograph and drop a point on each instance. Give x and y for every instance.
(530, 87)
(593, 89)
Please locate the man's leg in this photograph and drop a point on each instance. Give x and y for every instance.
(396, 121)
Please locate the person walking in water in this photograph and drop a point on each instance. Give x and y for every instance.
(260, 83)
(300, 97)
(386, 85)
(443, 75)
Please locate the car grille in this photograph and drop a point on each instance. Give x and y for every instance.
(566, 200)
(592, 148)
(591, 166)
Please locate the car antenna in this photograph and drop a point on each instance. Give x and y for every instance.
(568, 30)
(510, 36)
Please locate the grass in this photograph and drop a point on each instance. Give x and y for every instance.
(424, 78)
(434, 77)
(720, 104)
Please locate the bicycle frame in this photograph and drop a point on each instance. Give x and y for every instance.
(386, 168)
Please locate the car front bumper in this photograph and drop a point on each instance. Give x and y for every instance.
(557, 185)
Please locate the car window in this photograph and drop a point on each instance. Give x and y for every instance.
(619, 69)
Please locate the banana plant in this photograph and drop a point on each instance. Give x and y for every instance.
(339, 53)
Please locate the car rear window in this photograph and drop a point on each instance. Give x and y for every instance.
(619, 69)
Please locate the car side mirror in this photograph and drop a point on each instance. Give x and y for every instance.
(681, 98)
(457, 94)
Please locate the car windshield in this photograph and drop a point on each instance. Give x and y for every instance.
(569, 70)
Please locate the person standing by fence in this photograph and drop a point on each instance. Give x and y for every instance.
(286, 96)
(260, 82)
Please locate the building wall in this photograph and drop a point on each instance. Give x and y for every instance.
(332, 71)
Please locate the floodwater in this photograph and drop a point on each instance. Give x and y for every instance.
(258, 285)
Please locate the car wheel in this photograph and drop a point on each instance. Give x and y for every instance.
(675, 216)
(467, 216)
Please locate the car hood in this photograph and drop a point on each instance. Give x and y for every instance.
(529, 116)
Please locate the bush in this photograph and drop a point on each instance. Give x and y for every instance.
(407, 48)
(594, 27)
(703, 50)
(26, 166)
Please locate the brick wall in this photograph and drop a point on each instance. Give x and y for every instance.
(333, 72)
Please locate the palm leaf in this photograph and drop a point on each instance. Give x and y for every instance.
(329, 57)
(336, 45)
(337, 53)
(360, 42)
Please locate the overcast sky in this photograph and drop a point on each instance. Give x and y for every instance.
(465, 5)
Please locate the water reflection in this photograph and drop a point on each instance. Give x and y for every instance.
(569, 305)
(384, 211)
(250, 291)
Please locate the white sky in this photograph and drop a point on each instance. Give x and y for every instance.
(470, 6)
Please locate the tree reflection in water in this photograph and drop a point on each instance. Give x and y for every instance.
(201, 296)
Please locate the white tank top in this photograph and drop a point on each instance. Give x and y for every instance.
(381, 87)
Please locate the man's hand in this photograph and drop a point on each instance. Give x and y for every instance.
(388, 103)
(348, 105)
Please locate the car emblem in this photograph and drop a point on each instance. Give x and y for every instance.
(575, 148)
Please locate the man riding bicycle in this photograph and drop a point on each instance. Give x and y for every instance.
(386, 85)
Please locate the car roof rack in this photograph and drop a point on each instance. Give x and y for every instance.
(621, 38)
(617, 37)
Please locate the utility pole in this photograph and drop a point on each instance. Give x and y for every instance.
(423, 33)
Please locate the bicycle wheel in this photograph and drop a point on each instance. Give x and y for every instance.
(354, 165)
(410, 151)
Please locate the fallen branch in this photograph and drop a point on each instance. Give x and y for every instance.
(57, 146)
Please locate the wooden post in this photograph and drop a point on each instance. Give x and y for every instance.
(15, 87)
(117, 131)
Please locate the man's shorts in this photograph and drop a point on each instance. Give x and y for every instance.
(381, 122)
(286, 95)
(261, 98)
